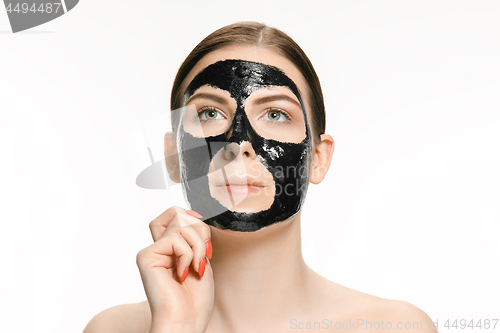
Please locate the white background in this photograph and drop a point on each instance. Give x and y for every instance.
(409, 209)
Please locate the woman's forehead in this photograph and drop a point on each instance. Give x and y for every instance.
(258, 96)
(241, 78)
(253, 54)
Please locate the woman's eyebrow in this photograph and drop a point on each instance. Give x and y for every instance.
(273, 98)
(214, 98)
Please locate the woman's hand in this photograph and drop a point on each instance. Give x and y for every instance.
(176, 274)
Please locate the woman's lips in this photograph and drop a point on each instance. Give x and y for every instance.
(241, 185)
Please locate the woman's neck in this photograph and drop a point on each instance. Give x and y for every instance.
(259, 276)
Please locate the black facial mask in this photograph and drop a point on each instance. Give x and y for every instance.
(287, 162)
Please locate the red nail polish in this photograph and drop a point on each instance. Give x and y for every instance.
(201, 271)
(185, 274)
(194, 214)
(209, 248)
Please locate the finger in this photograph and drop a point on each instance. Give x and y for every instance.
(160, 224)
(206, 235)
(191, 223)
(198, 245)
(165, 251)
(194, 214)
(189, 217)
(183, 220)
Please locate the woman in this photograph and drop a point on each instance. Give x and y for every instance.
(248, 136)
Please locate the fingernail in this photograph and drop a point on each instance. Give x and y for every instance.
(201, 271)
(209, 248)
(185, 274)
(194, 214)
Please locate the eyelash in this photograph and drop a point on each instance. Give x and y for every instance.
(210, 108)
(285, 114)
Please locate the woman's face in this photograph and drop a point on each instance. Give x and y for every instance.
(244, 141)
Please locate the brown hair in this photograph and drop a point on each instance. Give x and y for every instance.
(253, 33)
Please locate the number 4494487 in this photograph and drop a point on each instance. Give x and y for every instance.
(45, 7)
(471, 324)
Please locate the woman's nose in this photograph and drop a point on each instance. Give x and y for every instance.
(233, 149)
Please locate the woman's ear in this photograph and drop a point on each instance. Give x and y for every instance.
(172, 159)
(321, 158)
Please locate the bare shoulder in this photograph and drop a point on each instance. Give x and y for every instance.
(125, 318)
(355, 311)
(398, 316)
(373, 314)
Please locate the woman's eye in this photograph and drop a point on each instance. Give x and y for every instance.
(210, 114)
(275, 115)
